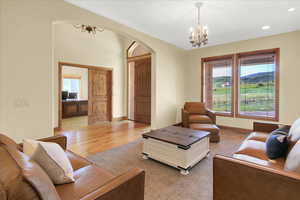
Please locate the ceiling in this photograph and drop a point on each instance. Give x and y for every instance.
(227, 20)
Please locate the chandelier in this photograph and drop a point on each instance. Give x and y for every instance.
(88, 28)
(199, 33)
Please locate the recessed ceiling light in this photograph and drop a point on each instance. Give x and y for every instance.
(265, 27)
(291, 9)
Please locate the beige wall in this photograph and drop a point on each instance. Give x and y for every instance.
(28, 66)
(289, 45)
(84, 80)
(3, 127)
(105, 49)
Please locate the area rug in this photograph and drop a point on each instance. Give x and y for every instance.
(164, 182)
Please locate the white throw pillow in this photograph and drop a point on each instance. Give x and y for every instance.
(53, 159)
(292, 162)
(29, 146)
(294, 133)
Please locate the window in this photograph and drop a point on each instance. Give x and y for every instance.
(247, 88)
(218, 84)
(257, 80)
(72, 85)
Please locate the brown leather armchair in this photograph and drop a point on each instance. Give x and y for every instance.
(23, 179)
(197, 112)
(248, 174)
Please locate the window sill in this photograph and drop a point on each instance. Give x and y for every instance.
(220, 114)
(223, 114)
(274, 119)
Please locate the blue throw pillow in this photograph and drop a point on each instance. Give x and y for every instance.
(277, 144)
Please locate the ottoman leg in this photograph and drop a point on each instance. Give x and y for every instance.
(145, 156)
(184, 172)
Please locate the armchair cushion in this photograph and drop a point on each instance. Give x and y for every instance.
(88, 180)
(77, 162)
(275, 164)
(195, 108)
(258, 136)
(253, 148)
(204, 119)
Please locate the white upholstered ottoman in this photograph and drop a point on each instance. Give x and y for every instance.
(178, 147)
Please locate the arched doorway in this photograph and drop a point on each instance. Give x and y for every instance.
(139, 83)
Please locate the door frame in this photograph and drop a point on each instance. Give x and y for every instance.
(60, 66)
(132, 59)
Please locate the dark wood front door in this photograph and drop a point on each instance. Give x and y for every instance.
(100, 94)
(142, 90)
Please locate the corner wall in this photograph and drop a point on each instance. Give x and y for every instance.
(289, 44)
(27, 66)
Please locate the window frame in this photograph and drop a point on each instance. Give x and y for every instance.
(235, 83)
(276, 89)
(215, 58)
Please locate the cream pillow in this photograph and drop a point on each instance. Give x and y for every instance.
(29, 146)
(53, 159)
(292, 162)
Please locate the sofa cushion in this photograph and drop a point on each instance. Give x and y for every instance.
(88, 180)
(195, 108)
(292, 162)
(204, 119)
(276, 145)
(258, 136)
(23, 179)
(77, 162)
(253, 148)
(275, 164)
(53, 159)
(294, 133)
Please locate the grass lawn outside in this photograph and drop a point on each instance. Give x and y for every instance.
(253, 98)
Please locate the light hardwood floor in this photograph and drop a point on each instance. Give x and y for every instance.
(101, 137)
(74, 123)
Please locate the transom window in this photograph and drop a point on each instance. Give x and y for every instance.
(243, 85)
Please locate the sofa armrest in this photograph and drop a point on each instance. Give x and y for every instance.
(237, 179)
(264, 127)
(128, 186)
(185, 118)
(212, 115)
(59, 139)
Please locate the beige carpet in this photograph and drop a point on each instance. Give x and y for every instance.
(164, 182)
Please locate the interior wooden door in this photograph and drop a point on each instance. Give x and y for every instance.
(142, 90)
(100, 96)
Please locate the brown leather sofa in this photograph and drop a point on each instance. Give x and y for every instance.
(23, 179)
(196, 112)
(249, 174)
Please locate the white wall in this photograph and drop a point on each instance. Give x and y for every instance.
(105, 49)
(83, 73)
(289, 44)
(28, 66)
